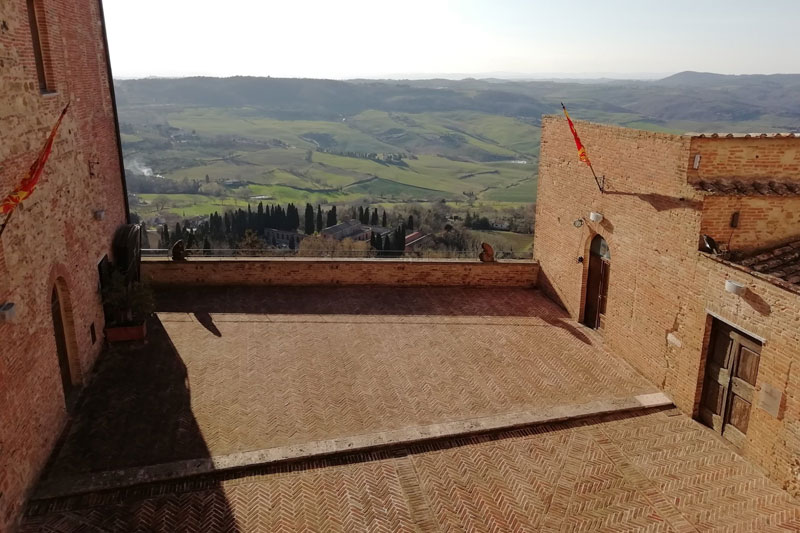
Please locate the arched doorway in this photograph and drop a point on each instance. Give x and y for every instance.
(597, 283)
(61, 322)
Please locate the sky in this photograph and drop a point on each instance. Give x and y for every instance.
(422, 38)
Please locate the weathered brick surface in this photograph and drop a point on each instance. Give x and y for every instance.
(659, 471)
(230, 370)
(54, 239)
(763, 220)
(774, 158)
(773, 314)
(209, 272)
(660, 287)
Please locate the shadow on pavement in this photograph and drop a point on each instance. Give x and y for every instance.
(135, 411)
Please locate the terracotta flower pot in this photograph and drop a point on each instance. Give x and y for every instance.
(126, 333)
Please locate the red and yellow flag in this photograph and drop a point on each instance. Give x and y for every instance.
(25, 188)
(581, 150)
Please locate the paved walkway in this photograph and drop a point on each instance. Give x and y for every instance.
(659, 471)
(236, 370)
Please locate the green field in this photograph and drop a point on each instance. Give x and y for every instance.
(452, 156)
(505, 240)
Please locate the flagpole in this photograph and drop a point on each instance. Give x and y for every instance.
(597, 180)
(3, 227)
(582, 150)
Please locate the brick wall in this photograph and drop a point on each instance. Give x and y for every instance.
(660, 287)
(768, 312)
(754, 157)
(54, 239)
(340, 272)
(651, 223)
(763, 220)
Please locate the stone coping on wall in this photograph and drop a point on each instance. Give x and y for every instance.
(232, 258)
(211, 271)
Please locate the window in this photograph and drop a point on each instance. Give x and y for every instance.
(35, 22)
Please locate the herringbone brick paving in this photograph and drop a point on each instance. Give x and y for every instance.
(237, 369)
(645, 472)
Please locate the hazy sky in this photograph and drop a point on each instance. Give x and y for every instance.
(360, 38)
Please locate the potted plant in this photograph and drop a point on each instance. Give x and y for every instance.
(128, 304)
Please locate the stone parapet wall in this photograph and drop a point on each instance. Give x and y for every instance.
(259, 271)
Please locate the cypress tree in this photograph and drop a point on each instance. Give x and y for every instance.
(319, 218)
(361, 214)
(374, 220)
(309, 225)
(383, 223)
(294, 218)
(410, 222)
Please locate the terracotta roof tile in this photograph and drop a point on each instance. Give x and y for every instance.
(740, 135)
(748, 187)
(782, 262)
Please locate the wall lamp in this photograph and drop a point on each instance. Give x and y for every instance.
(595, 217)
(734, 287)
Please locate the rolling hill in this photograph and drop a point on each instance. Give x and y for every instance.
(384, 141)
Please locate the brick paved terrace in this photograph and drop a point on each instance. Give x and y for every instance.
(658, 471)
(231, 370)
(228, 375)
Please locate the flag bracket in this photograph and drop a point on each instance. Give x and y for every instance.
(600, 180)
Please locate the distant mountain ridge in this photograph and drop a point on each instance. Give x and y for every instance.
(295, 98)
(765, 101)
(690, 78)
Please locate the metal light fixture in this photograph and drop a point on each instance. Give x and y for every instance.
(578, 223)
(734, 287)
(595, 217)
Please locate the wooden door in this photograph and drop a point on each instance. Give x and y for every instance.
(729, 383)
(596, 291)
(605, 265)
(61, 348)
